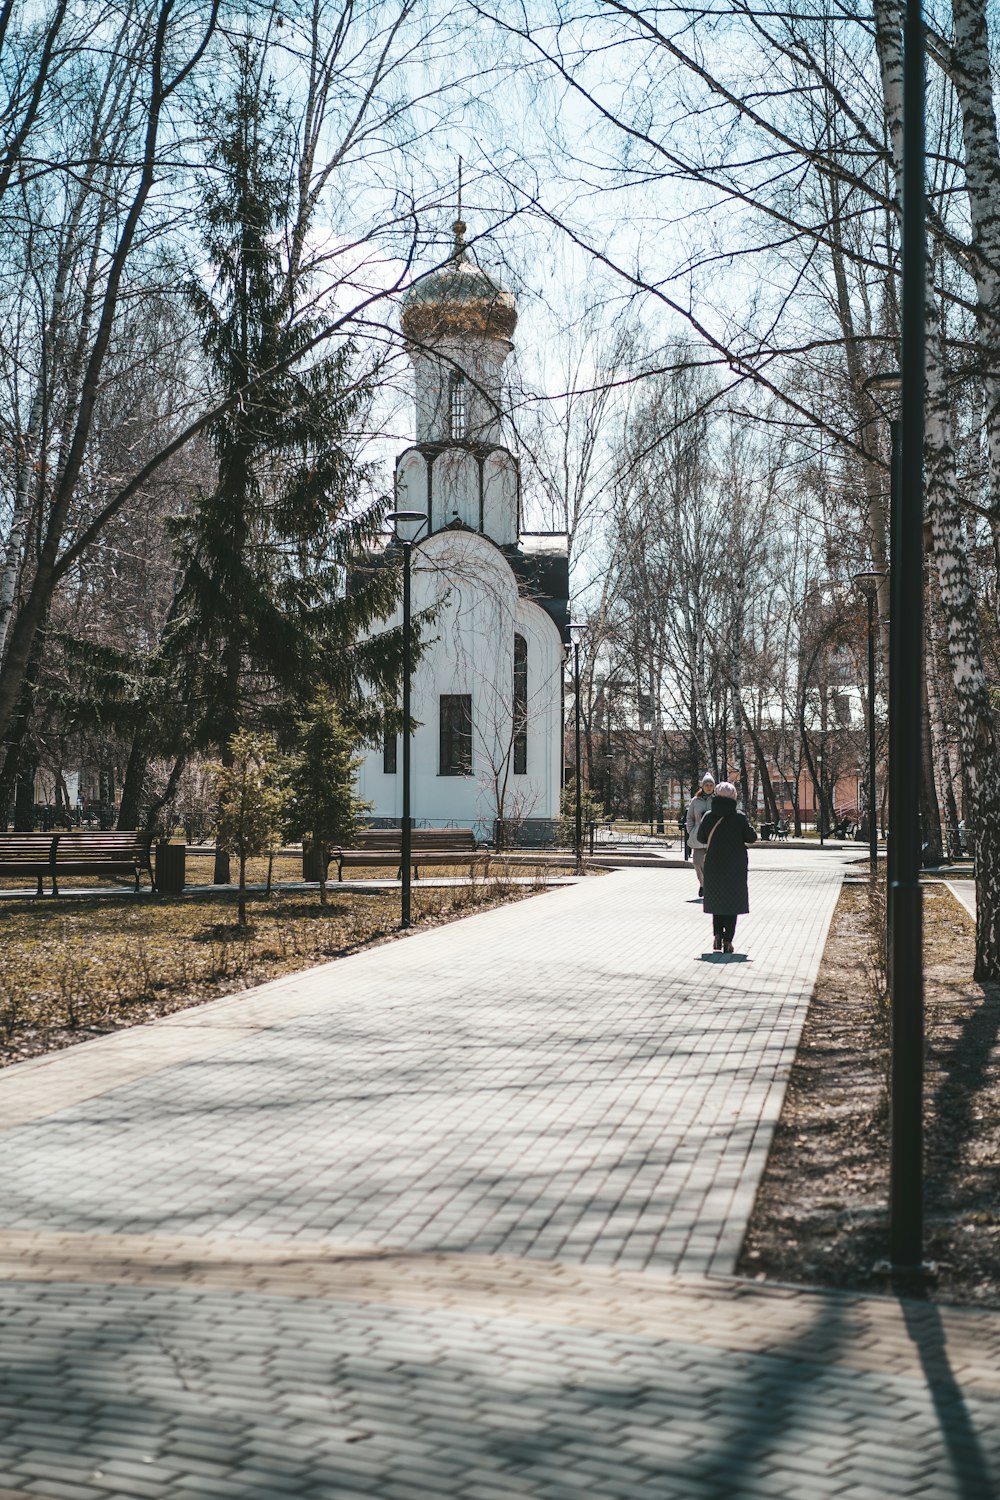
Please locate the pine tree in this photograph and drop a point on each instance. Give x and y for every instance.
(263, 611)
(324, 808)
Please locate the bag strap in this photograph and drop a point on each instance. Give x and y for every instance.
(711, 834)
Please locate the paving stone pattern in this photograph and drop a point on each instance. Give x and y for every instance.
(571, 1079)
(290, 1396)
(448, 1218)
(964, 891)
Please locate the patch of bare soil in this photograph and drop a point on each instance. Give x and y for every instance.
(821, 1215)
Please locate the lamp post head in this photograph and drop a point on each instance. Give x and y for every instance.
(867, 583)
(883, 380)
(407, 524)
(883, 383)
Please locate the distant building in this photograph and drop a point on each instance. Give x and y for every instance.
(487, 692)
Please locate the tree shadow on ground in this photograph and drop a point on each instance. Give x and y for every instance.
(966, 1064)
(975, 1477)
(231, 931)
(267, 1390)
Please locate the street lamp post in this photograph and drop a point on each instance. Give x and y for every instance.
(407, 525)
(821, 814)
(575, 631)
(906, 668)
(891, 382)
(868, 583)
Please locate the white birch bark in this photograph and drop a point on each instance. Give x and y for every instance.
(972, 77)
(980, 751)
(14, 549)
(939, 733)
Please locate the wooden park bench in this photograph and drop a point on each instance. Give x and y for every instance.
(62, 853)
(28, 854)
(770, 831)
(428, 846)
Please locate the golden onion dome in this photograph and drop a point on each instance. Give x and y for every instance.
(460, 299)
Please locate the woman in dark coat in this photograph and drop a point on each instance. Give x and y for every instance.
(726, 833)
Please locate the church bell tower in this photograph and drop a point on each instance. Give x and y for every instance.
(486, 743)
(458, 324)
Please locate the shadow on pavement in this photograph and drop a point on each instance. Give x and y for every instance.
(973, 1477)
(259, 1395)
(957, 1106)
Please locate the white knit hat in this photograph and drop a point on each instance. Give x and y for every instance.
(726, 789)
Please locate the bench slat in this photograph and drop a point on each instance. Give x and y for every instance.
(71, 853)
(420, 838)
(428, 846)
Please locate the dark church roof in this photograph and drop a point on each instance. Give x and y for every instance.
(544, 578)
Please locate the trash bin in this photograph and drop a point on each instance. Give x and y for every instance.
(169, 866)
(310, 862)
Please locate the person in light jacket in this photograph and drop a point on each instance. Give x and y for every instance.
(725, 832)
(700, 804)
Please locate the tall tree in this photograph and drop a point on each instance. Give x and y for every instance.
(785, 128)
(263, 612)
(324, 807)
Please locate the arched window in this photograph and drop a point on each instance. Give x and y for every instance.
(455, 734)
(520, 706)
(457, 406)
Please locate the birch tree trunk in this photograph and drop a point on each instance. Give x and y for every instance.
(972, 77)
(939, 728)
(980, 751)
(933, 849)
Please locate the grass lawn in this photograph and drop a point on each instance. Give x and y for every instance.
(73, 969)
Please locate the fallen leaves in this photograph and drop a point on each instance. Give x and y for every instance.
(821, 1209)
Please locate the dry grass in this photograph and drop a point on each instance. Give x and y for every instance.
(77, 968)
(821, 1214)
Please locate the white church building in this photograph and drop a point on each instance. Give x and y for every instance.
(487, 690)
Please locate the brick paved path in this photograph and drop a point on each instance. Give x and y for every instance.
(448, 1218)
(964, 891)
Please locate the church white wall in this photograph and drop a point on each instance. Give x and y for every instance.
(471, 651)
(540, 789)
(500, 498)
(449, 483)
(456, 489)
(481, 361)
(412, 481)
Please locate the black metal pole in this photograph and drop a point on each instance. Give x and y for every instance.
(872, 813)
(405, 841)
(892, 843)
(579, 801)
(906, 1149)
(822, 809)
